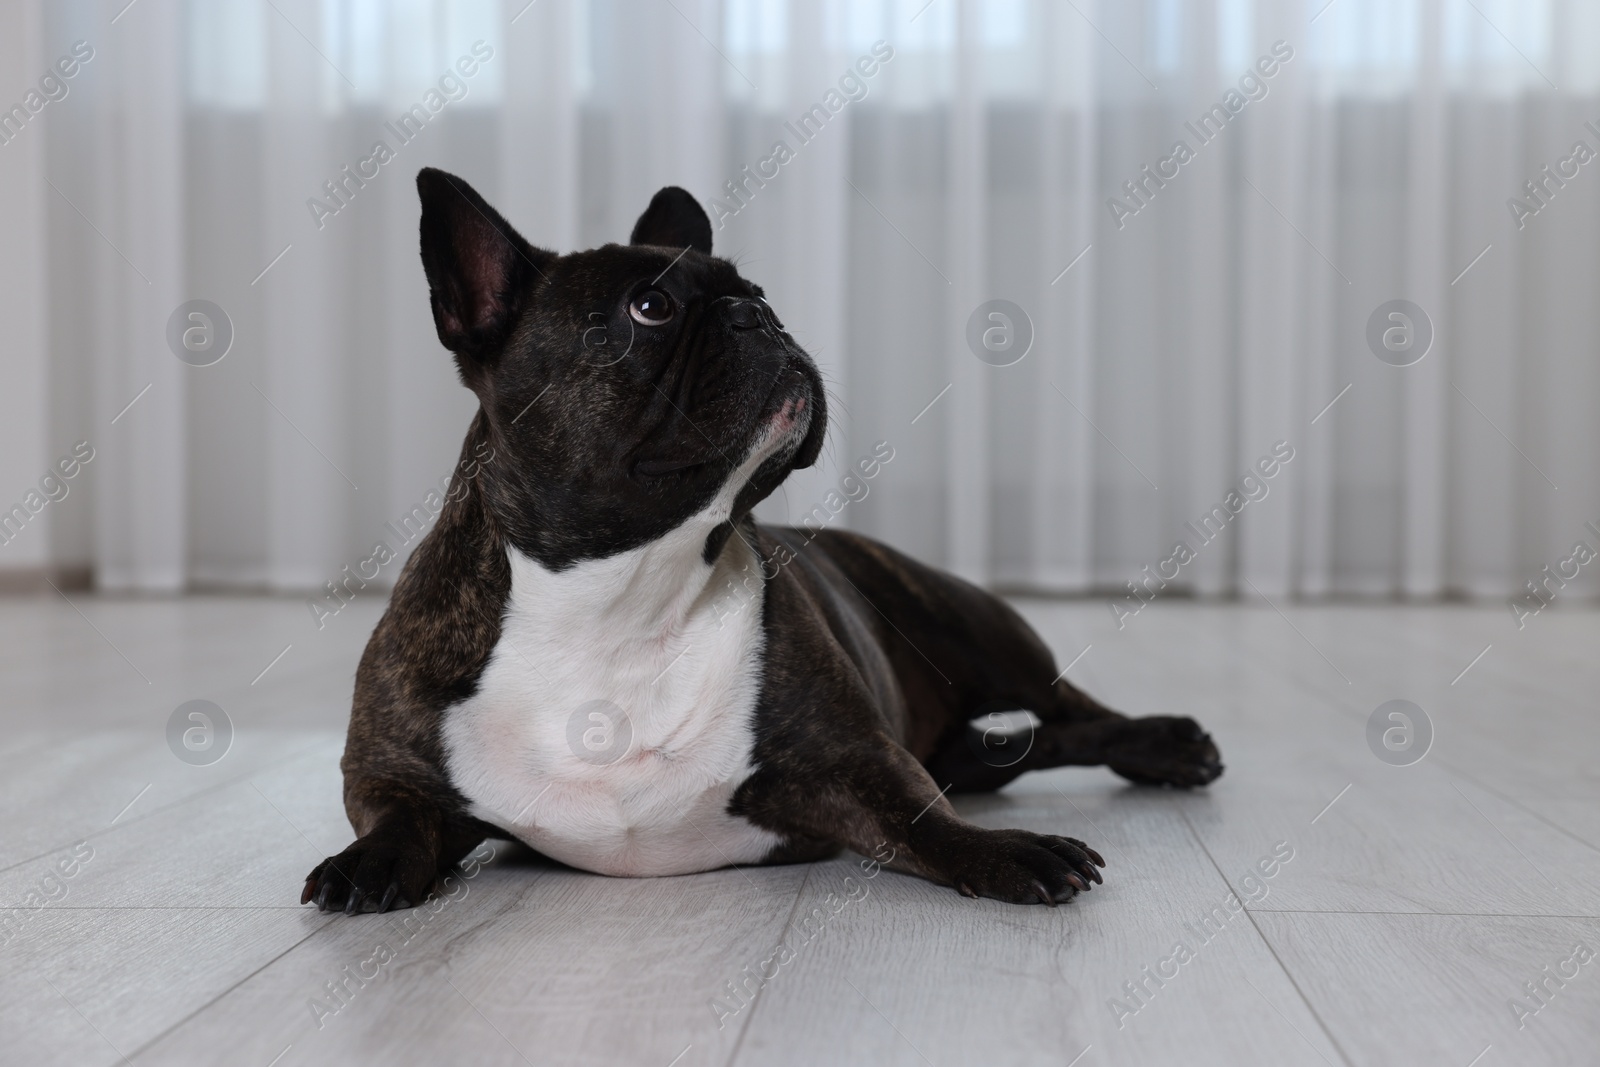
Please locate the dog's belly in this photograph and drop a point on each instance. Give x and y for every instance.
(610, 750)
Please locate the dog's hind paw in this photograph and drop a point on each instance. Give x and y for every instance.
(1164, 750)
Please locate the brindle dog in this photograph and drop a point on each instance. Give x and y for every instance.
(636, 401)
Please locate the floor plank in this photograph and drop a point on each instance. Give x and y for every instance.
(1439, 988)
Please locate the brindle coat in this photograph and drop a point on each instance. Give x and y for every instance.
(873, 664)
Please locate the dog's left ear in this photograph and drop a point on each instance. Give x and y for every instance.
(480, 270)
(674, 219)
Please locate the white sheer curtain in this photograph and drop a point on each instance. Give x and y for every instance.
(1173, 346)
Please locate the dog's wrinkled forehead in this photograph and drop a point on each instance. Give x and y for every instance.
(670, 248)
(602, 273)
(646, 300)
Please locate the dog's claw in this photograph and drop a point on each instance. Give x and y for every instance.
(352, 903)
(965, 890)
(388, 897)
(1078, 882)
(322, 897)
(311, 887)
(1096, 857)
(1043, 893)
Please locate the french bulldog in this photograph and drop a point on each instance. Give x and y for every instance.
(561, 663)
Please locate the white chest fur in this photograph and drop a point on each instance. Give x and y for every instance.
(615, 718)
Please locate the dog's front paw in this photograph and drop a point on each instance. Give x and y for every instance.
(1021, 867)
(371, 876)
(1164, 750)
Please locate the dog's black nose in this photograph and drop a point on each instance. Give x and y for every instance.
(745, 314)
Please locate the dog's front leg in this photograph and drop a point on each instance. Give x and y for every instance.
(405, 842)
(879, 798)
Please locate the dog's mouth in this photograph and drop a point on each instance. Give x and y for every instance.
(655, 468)
(789, 417)
(788, 400)
(789, 410)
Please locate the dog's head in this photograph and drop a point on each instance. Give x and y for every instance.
(624, 389)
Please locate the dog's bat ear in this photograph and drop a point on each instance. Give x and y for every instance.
(479, 269)
(674, 219)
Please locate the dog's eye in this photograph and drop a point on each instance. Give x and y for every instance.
(651, 308)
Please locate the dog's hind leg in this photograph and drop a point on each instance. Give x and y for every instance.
(1153, 750)
(1067, 727)
(988, 659)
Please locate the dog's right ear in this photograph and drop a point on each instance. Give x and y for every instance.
(479, 269)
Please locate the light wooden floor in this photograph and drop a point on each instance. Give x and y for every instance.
(1418, 902)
